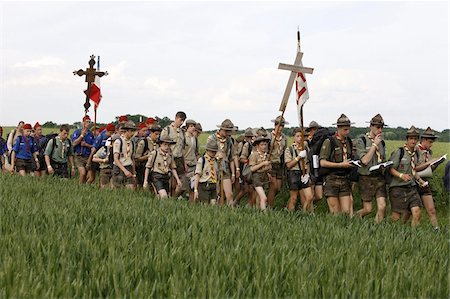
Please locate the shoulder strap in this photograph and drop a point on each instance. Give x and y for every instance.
(363, 138)
(203, 162)
(154, 159)
(53, 146)
(145, 145)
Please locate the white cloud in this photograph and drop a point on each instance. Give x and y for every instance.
(41, 62)
(160, 86)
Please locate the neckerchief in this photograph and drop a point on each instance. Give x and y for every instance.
(412, 155)
(425, 152)
(344, 146)
(222, 141)
(377, 150)
(278, 140)
(63, 148)
(211, 165)
(165, 156)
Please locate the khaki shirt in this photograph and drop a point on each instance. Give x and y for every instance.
(161, 162)
(61, 151)
(226, 147)
(176, 134)
(424, 155)
(288, 157)
(337, 157)
(403, 166)
(205, 172)
(257, 158)
(103, 153)
(362, 150)
(190, 150)
(141, 145)
(126, 156)
(245, 153)
(278, 147)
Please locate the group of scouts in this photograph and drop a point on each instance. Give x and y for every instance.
(168, 162)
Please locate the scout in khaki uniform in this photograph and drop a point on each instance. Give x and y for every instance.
(277, 146)
(191, 154)
(103, 157)
(175, 133)
(424, 147)
(372, 185)
(403, 193)
(123, 150)
(144, 147)
(23, 152)
(244, 150)
(228, 161)
(58, 152)
(335, 156)
(206, 172)
(260, 167)
(299, 184)
(160, 165)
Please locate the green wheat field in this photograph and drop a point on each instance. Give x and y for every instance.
(60, 239)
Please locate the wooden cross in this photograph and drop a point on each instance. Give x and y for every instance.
(297, 67)
(90, 74)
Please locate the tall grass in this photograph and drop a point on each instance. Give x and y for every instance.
(59, 239)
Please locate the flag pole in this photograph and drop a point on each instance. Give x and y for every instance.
(302, 145)
(95, 105)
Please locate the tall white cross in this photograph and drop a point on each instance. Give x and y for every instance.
(297, 67)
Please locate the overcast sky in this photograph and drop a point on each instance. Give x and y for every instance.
(217, 60)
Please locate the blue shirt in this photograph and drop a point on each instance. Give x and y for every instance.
(24, 147)
(100, 140)
(88, 138)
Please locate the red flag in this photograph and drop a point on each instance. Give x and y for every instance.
(95, 95)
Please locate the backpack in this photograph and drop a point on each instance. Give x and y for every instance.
(43, 144)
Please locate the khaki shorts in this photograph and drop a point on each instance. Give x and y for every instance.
(404, 198)
(260, 179)
(207, 191)
(277, 171)
(372, 187)
(105, 176)
(80, 161)
(337, 186)
(119, 179)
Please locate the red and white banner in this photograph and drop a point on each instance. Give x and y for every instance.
(301, 89)
(95, 95)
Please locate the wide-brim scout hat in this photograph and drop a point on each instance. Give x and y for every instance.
(166, 140)
(198, 127)
(261, 132)
(227, 125)
(377, 120)
(248, 132)
(190, 122)
(240, 138)
(280, 120)
(428, 133)
(313, 125)
(343, 120)
(412, 132)
(129, 125)
(155, 128)
(260, 139)
(211, 145)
